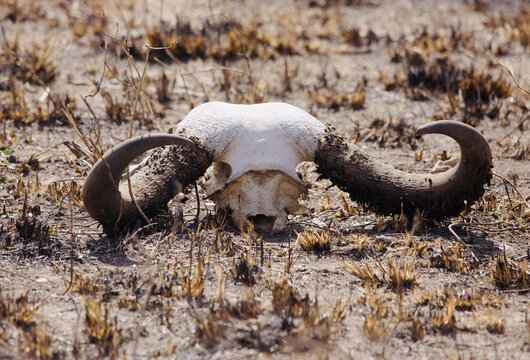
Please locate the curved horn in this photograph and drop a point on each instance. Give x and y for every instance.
(156, 182)
(387, 190)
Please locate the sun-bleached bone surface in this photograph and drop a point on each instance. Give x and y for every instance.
(256, 150)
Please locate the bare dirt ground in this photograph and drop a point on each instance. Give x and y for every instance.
(76, 79)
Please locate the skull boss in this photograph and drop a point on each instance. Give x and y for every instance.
(249, 154)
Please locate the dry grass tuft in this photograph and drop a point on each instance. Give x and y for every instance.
(314, 240)
(193, 286)
(452, 259)
(374, 327)
(390, 132)
(463, 299)
(222, 41)
(330, 99)
(495, 324)
(49, 112)
(517, 27)
(506, 273)
(243, 269)
(33, 66)
(101, 330)
(303, 317)
(84, 286)
(430, 72)
(28, 236)
(395, 275)
(444, 320)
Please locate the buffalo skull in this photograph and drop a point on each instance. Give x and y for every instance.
(249, 154)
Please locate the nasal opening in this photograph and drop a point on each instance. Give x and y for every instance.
(262, 223)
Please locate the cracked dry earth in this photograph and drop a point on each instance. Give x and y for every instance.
(197, 287)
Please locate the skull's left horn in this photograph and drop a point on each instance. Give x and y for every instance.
(387, 190)
(153, 185)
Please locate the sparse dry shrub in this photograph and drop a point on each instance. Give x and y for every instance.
(429, 70)
(18, 311)
(508, 212)
(248, 307)
(222, 322)
(354, 37)
(514, 148)
(37, 344)
(428, 44)
(373, 329)
(209, 331)
(48, 112)
(288, 303)
(60, 192)
(481, 87)
(33, 341)
(417, 329)
(116, 111)
(101, 330)
(31, 237)
(314, 240)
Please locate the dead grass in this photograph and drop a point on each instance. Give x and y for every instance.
(101, 329)
(34, 65)
(314, 240)
(516, 27)
(452, 259)
(463, 299)
(444, 320)
(429, 72)
(330, 99)
(397, 275)
(506, 273)
(157, 287)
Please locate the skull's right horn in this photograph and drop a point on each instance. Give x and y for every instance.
(387, 190)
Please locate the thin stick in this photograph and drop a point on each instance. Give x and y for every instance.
(514, 129)
(512, 76)
(198, 203)
(450, 227)
(71, 248)
(134, 201)
(513, 186)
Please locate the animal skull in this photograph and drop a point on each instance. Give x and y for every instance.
(253, 151)
(255, 157)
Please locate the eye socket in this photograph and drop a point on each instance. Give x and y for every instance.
(223, 169)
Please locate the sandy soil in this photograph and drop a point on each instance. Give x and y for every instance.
(214, 291)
